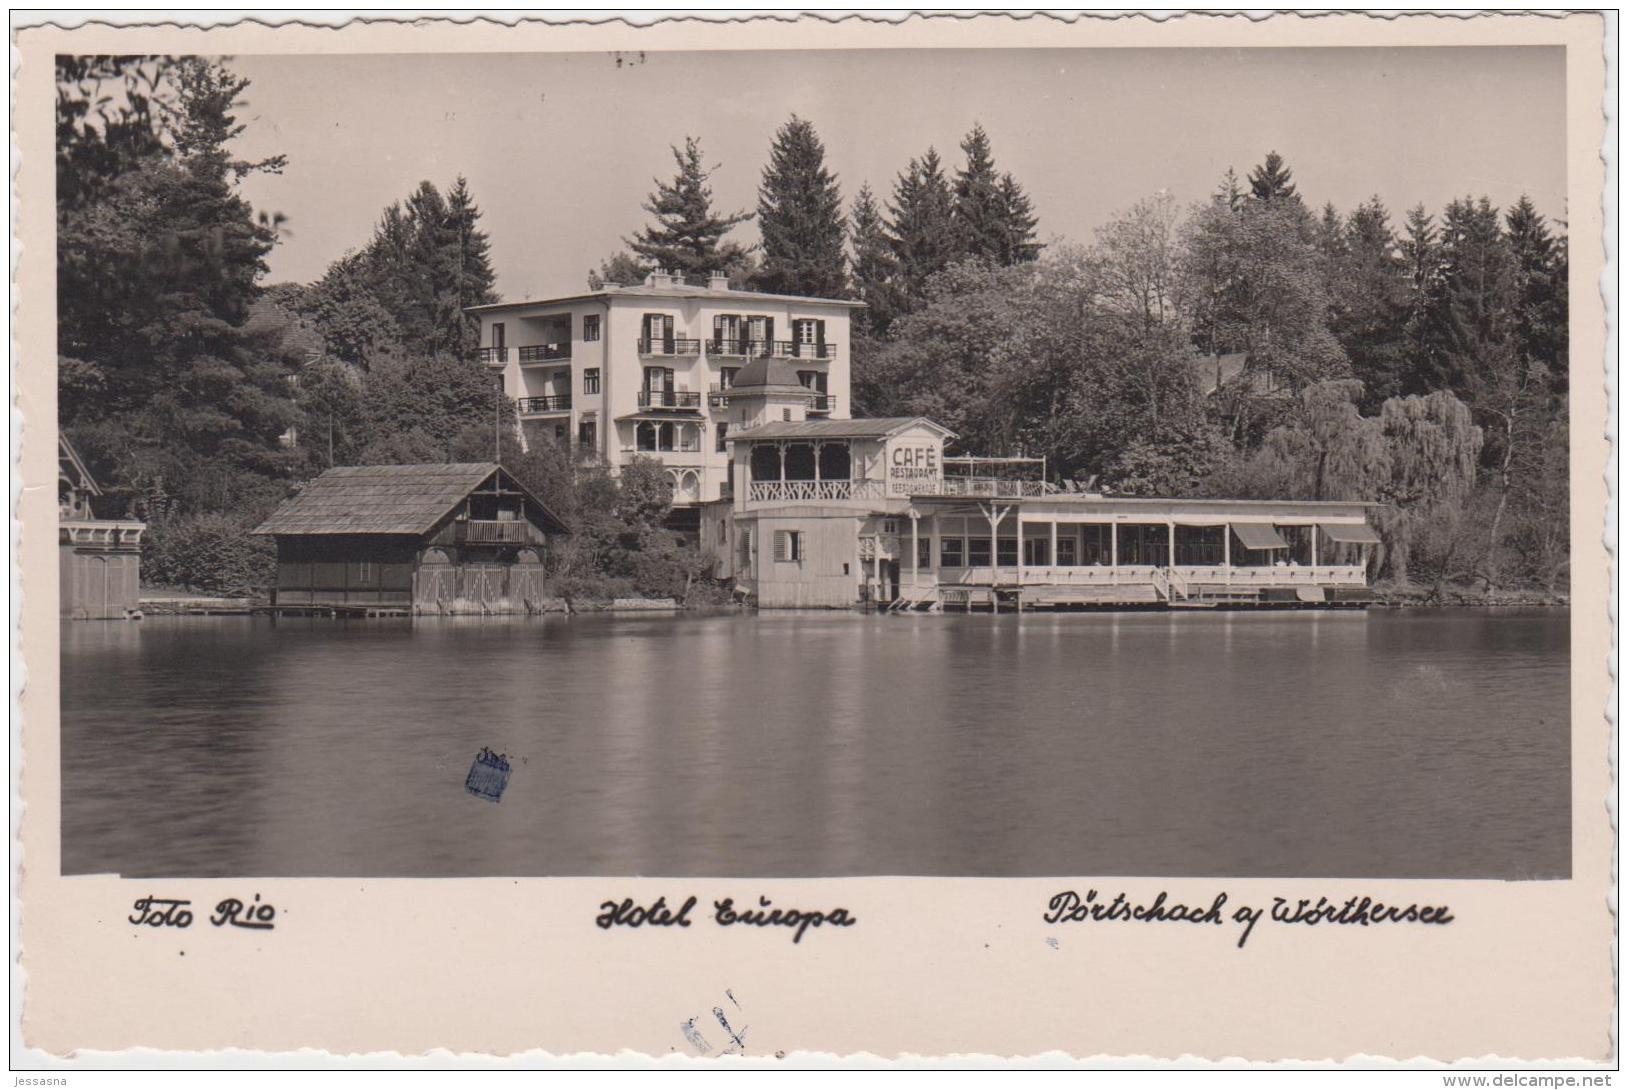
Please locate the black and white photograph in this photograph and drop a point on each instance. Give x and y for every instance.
(1009, 484)
(813, 463)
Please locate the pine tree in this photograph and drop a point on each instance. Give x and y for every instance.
(1272, 180)
(190, 409)
(800, 218)
(687, 237)
(922, 225)
(1540, 320)
(979, 213)
(1018, 223)
(1370, 293)
(873, 263)
(1425, 327)
(470, 263)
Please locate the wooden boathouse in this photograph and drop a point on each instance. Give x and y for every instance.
(454, 538)
(99, 558)
(836, 513)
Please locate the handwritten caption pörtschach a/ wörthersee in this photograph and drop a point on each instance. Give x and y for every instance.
(725, 913)
(1070, 907)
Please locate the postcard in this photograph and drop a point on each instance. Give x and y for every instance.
(738, 540)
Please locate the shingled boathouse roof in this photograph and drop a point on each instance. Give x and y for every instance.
(391, 499)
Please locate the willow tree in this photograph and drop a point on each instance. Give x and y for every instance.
(1432, 446)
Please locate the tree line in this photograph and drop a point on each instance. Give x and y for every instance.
(1243, 346)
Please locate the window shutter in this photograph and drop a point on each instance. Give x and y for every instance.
(768, 336)
(796, 537)
(782, 544)
(819, 338)
(717, 332)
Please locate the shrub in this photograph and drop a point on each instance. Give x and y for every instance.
(210, 553)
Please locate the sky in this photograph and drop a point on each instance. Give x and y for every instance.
(561, 150)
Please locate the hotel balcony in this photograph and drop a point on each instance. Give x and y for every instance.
(789, 350)
(798, 350)
(540, 406)
(558, 352)
(669, 346)
(492, 357)
(681, 400)
(823, 403)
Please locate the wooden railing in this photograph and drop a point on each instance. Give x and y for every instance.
(1185, 576)
(494, 531)
(545, 353)
(791, 491)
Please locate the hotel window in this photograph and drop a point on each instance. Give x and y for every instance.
(590, 327)
(949, 553)
(788, 546)
(745, 548)
(1006, 552)
(924, 552)
(723, 430)
(590, 380)
(497, 335)
(653, 436)
(977, 552)
(1065, 551)
(890, 526)
(658, 333)
(726, 377)
(1036, 551)
(585, 434)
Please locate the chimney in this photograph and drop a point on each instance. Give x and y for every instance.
(718, 281)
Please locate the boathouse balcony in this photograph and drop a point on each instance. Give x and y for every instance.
(494, 532)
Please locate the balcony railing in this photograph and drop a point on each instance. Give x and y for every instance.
(802, 350)
(669, 399)
(545, 353)
(792, 350)
(494, 531)
(494, 356)
(790, 491)
(823, 403)
(551, 403)
(986, 487)
(669, 346)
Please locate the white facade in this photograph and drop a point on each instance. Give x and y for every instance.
(646, 370)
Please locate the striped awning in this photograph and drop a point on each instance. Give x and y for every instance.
(1256, 535)
(1350, 533)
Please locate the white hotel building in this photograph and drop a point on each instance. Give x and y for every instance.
(646, 370)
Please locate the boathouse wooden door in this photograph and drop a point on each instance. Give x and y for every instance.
(435, 584)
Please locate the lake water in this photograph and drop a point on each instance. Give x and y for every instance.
(1380, 744)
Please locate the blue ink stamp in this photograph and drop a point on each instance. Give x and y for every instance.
(488, 776)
